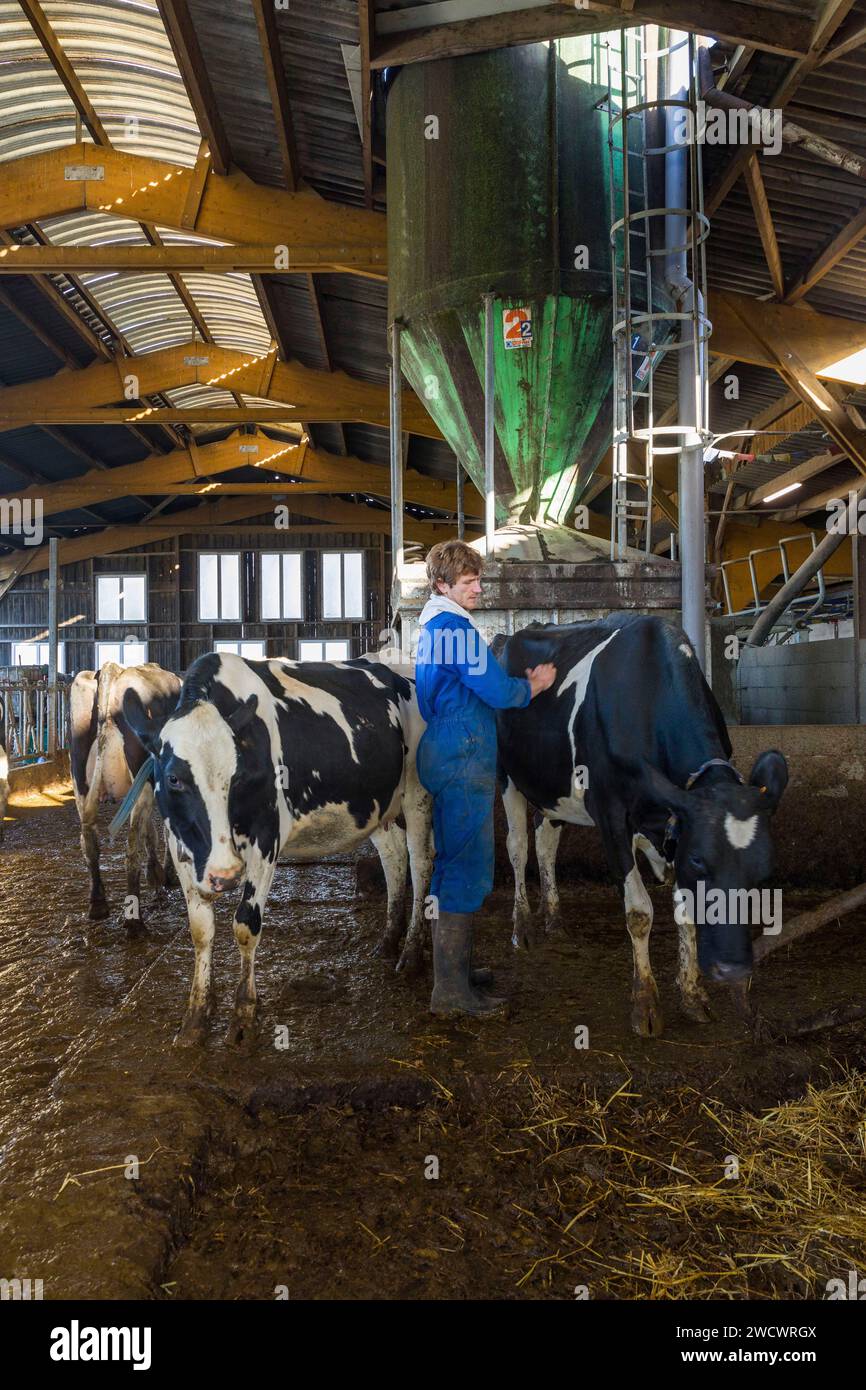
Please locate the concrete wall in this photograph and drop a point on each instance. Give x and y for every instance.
(817, 830)
(36, 777)
(804, 683)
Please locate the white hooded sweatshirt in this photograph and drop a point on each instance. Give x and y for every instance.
(439, 603)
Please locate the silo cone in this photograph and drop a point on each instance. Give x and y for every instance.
(498, 183)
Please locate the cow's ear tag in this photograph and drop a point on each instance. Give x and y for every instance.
(762, 790)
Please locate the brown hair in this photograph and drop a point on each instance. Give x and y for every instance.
(447, 560)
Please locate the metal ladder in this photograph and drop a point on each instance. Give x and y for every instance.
(643, 335)
(629, 264)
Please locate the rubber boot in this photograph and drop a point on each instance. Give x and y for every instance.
(480, 977)
(452, 955)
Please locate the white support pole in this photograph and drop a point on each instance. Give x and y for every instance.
(489, 428)
(396, 457)
(461, 514)
(690, 479)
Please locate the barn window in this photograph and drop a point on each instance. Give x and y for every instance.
(253, 651)
(129, 652)
(281, 587)
(36, 654)
(121, 598)
(219, 587)
(323, 651)
(342, 584)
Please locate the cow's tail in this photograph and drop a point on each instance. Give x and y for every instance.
(103, 695)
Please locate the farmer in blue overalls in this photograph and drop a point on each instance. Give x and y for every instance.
(460, 686)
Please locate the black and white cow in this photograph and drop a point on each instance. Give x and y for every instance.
(4, 769)
(630, 739)
(308, 758)
(106, 756)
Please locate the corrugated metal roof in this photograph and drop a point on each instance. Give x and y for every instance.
(125, 61)
(120, 52)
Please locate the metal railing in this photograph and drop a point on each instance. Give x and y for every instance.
(26, 710)
(813, 600)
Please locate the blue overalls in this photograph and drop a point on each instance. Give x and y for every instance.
(460, 684)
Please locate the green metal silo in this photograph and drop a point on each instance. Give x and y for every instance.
(498, 182)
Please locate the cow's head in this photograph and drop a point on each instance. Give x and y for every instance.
(718, 837)
(195, 758)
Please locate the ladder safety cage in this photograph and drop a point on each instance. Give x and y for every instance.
(642, 332)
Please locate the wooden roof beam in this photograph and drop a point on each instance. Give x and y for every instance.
(270, 416)
(305, 392)
(739, 62)
(278, 87)
(851, 37)
(190, 61)
(738, 23)
(844, 241)
(175, 258)
(192, 469)
(61, 305)
(795, 370)
(801, 473)
(764, 219)
(832, 15)
(64, 69)
(746, 329)
(229, 208)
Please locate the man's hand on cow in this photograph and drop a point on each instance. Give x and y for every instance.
(540, 677)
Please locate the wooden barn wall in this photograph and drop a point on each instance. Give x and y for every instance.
(174, 634)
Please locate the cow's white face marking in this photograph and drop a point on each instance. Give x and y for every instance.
(686, 649)
(205, 741)
(740, 833)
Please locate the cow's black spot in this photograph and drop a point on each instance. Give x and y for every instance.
(250, 914)
(184, 811)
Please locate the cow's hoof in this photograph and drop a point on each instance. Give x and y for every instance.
(647, 1019)
(135, 927)
(387, 949)
(98, 910)
(192, 1033)
(241, 1030)
(696, 1005)
(411, 962)
(526, 933)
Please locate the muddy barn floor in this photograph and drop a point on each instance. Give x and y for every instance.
(306, 1169)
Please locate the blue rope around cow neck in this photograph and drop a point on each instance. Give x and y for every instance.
(124, 811)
